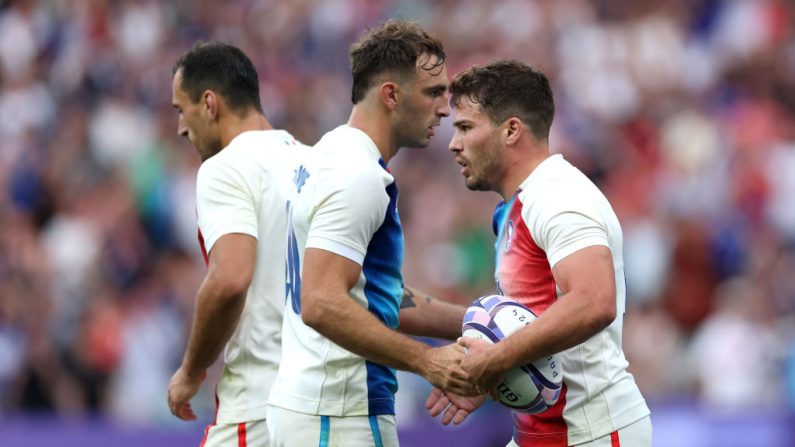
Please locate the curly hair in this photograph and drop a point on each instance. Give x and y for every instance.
(395, 46)
(507, 88)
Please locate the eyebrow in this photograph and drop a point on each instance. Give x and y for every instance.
(461, 122)
(437, 87)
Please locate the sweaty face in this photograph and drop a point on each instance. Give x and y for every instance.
(425, 103)
(192, 122)
(477, 148)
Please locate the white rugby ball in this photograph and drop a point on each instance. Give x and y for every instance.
(532, 388)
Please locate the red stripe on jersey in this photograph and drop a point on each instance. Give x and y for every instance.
(204, 250)
(547, 429)
(215, 420)
(241, 434)
(523, 271)
(206, 434)
(524, 274)
(614, 440)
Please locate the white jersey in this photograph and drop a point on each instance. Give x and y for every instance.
(242, 189)
(347, 206)
(557, 211)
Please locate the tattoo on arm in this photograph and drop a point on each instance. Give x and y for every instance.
(408, 299)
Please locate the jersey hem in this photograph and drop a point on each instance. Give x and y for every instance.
(591, 241)
(239, 416)
(336, 248)
(240, 228)
(338, 409)
(605, 427)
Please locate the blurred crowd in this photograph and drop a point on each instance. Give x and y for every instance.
(682, 112)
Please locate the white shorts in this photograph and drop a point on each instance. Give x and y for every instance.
(292, 429)
(253, 433)
(636, 434)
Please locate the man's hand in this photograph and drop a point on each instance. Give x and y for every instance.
(478, 364)
(442, 367)
(181, 390)
(456, 408)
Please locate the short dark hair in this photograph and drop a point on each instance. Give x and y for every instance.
(393, 46)
(507, 88)
(222, 68)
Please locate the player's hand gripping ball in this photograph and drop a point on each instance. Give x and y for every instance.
(532, 388)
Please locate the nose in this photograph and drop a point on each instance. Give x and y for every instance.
(182, 129)
(455, 144)
(444, 109)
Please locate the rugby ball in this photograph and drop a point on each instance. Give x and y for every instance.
(532, 388)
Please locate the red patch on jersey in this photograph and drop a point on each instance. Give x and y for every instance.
(204, 250)
(547, 429)
(523, 271)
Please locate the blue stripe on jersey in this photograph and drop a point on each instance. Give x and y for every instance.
(376, 431)
(383, 289)
(325, 425)
(381, 388)
(499, 217)
(497, 224)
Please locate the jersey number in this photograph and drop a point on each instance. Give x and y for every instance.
(292, 290)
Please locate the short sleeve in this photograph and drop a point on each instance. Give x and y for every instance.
(225, 201)
(564, 226)
(350, 211)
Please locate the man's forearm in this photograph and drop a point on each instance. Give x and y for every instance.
(215, 320)
(567, 323)
(352, 327)
(422, 315)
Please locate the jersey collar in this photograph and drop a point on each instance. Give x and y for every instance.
(367, 143)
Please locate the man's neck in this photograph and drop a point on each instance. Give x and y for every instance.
(376, 126)
(519, 170)
(236, 126)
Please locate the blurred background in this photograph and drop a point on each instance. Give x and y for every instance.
(681, 111)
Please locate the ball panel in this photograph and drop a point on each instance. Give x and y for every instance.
(516, 390)
(550, 395)
(478, 315)
(510, 317)
(539, 406)
(548, 371)
(489, 302)
(496, 331)
(479, 332)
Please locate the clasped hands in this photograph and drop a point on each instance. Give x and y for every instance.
(470, 379)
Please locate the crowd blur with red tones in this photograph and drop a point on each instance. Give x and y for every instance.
(682, 112)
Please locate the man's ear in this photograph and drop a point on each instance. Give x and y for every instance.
(389, 93)
(514, 130)
(210, 104)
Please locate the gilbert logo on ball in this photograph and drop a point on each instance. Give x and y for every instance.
(531, 388)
